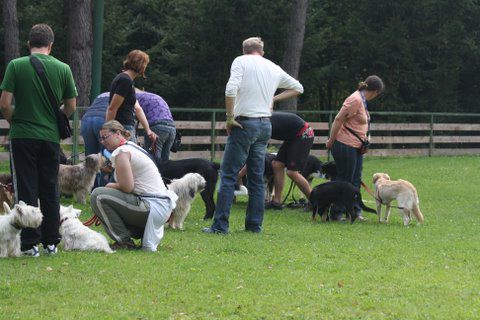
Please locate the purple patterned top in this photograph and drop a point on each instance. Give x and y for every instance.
(154, 107)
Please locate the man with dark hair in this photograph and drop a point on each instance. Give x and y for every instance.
(249, 96)
(34, 135)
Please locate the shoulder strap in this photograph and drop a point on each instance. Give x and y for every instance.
(129, 143)
(39, 69)
(356, 135)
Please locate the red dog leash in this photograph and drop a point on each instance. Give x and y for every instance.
(94, 220)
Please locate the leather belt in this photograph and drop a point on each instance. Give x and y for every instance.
(251, 118)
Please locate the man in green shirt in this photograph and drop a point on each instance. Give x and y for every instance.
(34, 137)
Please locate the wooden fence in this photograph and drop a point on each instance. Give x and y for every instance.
(393, 133)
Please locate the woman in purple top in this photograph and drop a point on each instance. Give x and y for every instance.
(160, 121)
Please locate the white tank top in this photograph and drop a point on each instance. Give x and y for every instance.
(146, 178)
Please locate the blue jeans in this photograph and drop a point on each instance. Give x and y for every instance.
(91, 134)
(247, 145)
(133, 132)
(165, 137)
(349, 168)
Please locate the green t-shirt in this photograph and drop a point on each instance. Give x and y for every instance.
(33, 116)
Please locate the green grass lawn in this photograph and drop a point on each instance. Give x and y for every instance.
(295, 269)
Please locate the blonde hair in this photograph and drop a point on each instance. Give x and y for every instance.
(253, 44)
(113, 126)
(136, 60)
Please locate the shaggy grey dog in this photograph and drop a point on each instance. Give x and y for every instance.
(20, 216)
(186, 188)
(78, 179)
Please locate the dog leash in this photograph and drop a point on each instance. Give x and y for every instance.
(94, 220)
(370, 192)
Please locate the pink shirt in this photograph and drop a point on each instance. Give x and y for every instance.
(357, 120)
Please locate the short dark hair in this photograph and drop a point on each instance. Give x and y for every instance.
(372, 83)
(41, 35)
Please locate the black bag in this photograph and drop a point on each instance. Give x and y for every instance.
(63, 123)
(177, 142)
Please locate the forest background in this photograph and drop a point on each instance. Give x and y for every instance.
(427, 52)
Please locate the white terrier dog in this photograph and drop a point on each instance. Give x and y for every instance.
(20, 216)
(76, 236)
(185, 188)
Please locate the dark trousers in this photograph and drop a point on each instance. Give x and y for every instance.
(349, 168)
(35, 177)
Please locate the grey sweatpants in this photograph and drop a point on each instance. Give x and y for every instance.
(123, 215)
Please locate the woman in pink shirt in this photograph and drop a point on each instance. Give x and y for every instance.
(349, 129)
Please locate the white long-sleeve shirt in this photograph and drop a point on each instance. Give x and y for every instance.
(253, 82)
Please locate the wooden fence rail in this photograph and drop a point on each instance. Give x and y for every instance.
(207, 138)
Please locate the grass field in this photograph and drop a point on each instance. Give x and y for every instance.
(295, 269)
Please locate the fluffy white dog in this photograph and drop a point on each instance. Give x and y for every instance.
(20, 216)
(185, 188)
(76, 236)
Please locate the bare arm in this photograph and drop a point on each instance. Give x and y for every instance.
(229, 105)
(287, 94)
(143, 120)
(6, 105)
(112, 109)
(337, 124)
(69, 106)
(123, 172)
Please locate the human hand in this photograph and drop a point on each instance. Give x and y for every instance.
(152, 136)
(329, 144)
(231, 123)
(112, 185)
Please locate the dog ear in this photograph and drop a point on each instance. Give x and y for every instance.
(19, 207)
(6, 207)
(22, 203)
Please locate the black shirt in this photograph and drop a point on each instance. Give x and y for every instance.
(285, 126)
(123, 86)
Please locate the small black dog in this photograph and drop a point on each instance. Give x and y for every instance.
(339, 193)
(175, 169)
(314, 168)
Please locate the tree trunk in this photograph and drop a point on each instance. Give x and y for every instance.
(10, 27)
(293, 51)
(80, 47)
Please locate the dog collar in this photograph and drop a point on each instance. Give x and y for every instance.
(16, 226)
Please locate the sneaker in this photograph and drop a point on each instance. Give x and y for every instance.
(242, 191)
(273, 205)
(32, 252)
(213, 231)
(50, 249)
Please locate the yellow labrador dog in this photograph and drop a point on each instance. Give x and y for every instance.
(403, 191)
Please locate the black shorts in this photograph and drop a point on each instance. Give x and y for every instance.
(294, 153)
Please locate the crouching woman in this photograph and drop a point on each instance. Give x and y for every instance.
(138, 204)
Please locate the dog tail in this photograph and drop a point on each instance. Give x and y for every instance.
(363, 206)
(417, 213)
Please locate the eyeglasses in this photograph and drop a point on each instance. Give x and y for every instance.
(105, 137)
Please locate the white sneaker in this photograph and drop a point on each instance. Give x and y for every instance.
(50, 249)
(242, 191)
(33, 252)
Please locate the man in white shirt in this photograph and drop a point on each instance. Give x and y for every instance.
(249, 98)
